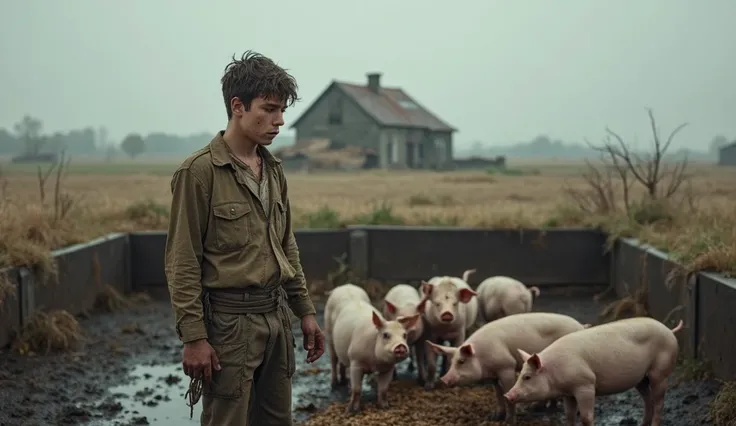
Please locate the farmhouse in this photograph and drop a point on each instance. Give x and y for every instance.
(384, 120)
(727, 155)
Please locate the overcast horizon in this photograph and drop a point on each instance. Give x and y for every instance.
(500, 73)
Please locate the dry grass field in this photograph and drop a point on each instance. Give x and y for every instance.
(697, 224)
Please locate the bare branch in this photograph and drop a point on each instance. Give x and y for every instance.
(43, 177)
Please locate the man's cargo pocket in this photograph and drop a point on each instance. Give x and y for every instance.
(290, 353)
(228, 335)
(229, 381)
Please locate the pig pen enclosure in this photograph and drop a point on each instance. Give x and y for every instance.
(126, 368)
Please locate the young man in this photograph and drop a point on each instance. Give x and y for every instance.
(232, 262)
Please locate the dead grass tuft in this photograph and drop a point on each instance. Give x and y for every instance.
(631, 306)
(140, 298)
(111, 300)
(28, 235)
(49, 332)
(376, 289)
(723, 406)
(7, 289)
(343, 275)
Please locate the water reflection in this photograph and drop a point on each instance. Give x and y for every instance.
(156, 395)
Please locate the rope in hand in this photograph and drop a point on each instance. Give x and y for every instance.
(193, 394)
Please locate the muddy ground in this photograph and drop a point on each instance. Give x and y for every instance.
(128, 373)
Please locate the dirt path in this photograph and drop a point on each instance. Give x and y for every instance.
(129, 373)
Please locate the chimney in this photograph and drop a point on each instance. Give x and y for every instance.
(374, 82)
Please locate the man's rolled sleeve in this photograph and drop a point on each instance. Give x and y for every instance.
(299, 300)
(187, 225)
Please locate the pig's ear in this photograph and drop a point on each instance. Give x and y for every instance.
(535, 362)
(465, 294)
(439, 349)
(377, 321)
(426, 288)
(409, 322)
(390, 307)
(422, 305)
(524, 355)
(467, 350)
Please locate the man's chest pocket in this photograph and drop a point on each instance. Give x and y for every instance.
(231, 225)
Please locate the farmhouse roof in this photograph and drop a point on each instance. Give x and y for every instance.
(388, 106)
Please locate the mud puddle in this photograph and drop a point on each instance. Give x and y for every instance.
(155, 393)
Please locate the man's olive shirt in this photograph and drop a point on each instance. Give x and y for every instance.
(228, 229)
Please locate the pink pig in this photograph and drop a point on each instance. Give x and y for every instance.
(402, 300)
(368, 343)
(607, 359)
(500, 296)
(337, 298)
(451, 309)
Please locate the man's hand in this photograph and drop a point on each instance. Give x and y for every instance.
(314, 340)
(199, 359)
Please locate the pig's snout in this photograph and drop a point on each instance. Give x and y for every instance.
(447, 317)
(448, 380)
(401, 351)
(510, 396)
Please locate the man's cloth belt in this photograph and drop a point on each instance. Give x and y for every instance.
(254, 301)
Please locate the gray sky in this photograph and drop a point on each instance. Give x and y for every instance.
(498, 71)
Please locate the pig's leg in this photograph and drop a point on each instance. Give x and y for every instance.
(445, 359)
(412, 353)
(658, 389)
(356, 386)
(384, 379)
(646, 395)
(539, 406)
(585, 397)
(506, 379)
(500, 413)
(333, 365)
(343, 375)
(571, 410)
(420, 351)
(431, 360)
(553, 404)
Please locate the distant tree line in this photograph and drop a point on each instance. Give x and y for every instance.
(27, 140)
(545, 146)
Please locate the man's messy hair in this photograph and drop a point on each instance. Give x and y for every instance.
(256, 76)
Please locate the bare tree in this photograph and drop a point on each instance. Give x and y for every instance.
(28, 130)
(3, 187)
(650, 170)
(63, 202)
(620, 165)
